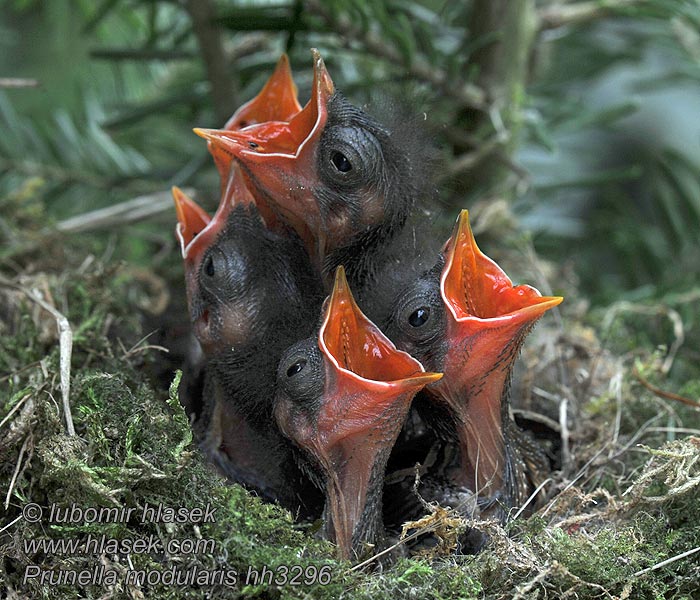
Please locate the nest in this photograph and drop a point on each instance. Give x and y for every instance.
(620, 520)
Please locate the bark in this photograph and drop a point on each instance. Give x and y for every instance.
(507, 29)
(224, 87)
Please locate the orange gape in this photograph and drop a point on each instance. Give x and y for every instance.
(272, 150)
(277, 101)
(487, 321)
(368, 389)
(191, 218)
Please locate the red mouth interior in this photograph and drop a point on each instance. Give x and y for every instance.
(269, 138)
(191, 217)
(277, 101)
(474, 285)
(358, 345)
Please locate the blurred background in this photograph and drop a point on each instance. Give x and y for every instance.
(569, 129)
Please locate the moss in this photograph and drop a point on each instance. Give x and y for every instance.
(420, 578)
(607, 558)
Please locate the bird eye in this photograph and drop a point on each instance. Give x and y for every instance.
(419, 317)
(252, 145)
(300, 374)
(340, 162)
(209, 266)
(297, 367)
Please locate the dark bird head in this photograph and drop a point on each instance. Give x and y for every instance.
(198, 235)
(334, 174)
(243, 280)
(342, 398)
(254, 286)
(251, 294)
(417, 318)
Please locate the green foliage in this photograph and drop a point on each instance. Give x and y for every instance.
(602, 189)
(71, 153)
(621, 187)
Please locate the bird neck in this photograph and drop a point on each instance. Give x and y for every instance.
(353, 510)
(476, 392)
(361, 256)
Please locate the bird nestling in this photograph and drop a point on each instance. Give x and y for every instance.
(465, 318)
(251, 294)
(342, 397)
(345, 183)
(307, 415)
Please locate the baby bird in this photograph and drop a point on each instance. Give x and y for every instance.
(342, 398)
(344, 182)
(251, 295)
(465, 318)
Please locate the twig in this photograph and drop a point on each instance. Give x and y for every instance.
(639, 434)
(145, 348)
(663, 394)
(571, 484)
(577, 581)
(65, 340)
(465, 162)
(130, 211)
(683, 430)
(17, 82)
(224, 91)
(564, 433)
(21, 423)
(15, 408)
(559, 15)
(427, 528)
(531, 415)
(17, 468)
(616, 385)
(532, 497)
(523, 589)
(11, 523)
(117, 54)
(668, 561)
(374, 557)
(26, 367)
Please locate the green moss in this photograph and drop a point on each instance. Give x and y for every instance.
(606, 558)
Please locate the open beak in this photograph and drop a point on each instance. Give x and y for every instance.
(279, 158)
(191, 218)
(196, 230)
(277, 101)
(369, 388)
(488, 319)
